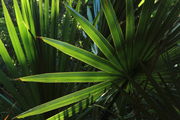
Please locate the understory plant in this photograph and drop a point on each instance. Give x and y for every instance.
(136, 72)
(134, 75)
(22, 53)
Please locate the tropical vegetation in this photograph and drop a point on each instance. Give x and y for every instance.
(90, 59)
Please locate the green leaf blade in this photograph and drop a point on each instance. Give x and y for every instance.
(23, 32)
(113, 23)
(130, 20)
(76, 108)
(130, 32)
(82, 55)
(70, 77)
(6, 57)
(14, 37)
(95, 35)
(41, 17)
(46, 16)
(67, 100)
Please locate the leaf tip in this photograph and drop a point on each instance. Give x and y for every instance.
(18, 79)
(39, 37)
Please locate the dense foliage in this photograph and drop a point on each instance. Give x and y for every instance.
(124, 53)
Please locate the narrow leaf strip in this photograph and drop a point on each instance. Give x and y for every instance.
(41, 17)
(113, 23)
(130, 20)
(66, 100)
(46, 11)
(66, 77)
(23, 31)
(130, 32)
(82, 55)
(30, 17)
(142, 28)
(70, 111)
(14, 37)
(6, 57)
(144, 19)
(54, 15)
(29, 24)
(78, 107)
(95, 35)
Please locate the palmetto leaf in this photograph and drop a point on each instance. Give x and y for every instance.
(6, 57)
(130, 20)
(155, 27)
(66, 77)
(27, 12)
(139, 47)
(24, 34)
(41, 16)
(96, 36)
(130, 32)
(54, 14)
(113, 23)
(46, 16)
(14, 37)
(78, 107)
(82, 55)
(67, 100)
